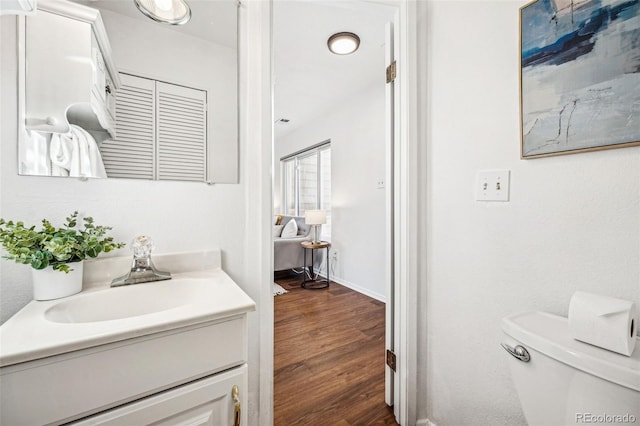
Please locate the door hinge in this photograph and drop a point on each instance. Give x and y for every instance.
(391, 72)
(391, 360)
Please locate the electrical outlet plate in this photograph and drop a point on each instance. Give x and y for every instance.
(492, 185)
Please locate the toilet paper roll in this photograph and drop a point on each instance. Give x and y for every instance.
(603, 321)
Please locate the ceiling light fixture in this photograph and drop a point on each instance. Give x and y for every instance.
(344, 43)
(174, 12)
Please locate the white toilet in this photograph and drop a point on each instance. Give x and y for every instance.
(561, 381)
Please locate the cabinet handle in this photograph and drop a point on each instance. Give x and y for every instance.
(107, 89)
(236, 402)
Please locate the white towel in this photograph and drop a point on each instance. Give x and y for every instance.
(76, 154)
(83, 151)
(65, 153)
(91, 164)
(61, 148)
(94, 156)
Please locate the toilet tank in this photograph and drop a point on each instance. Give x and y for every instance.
(567, 382)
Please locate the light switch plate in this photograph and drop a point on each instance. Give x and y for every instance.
(492, 185)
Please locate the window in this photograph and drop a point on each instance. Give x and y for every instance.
(161, 132)
(306, 182)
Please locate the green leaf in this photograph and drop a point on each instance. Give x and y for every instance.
(55, 247)
(62, 267)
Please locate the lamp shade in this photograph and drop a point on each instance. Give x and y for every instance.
(315, 217)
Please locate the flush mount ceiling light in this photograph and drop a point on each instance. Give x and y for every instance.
(344, 43)
(174, 12)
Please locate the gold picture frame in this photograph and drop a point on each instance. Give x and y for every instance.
(579, 76)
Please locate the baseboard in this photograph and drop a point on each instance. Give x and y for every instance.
(381, 297)
(425, 422)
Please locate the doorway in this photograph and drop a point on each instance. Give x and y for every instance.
(319, 96)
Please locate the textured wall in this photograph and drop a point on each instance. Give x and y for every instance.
(573, 222)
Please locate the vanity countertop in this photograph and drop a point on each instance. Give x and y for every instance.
(209, 295)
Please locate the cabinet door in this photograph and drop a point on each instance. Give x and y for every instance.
(99, 70)
(207, 401)
(110, 93)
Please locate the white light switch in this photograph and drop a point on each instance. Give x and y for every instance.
(380, 183)
(492, 185)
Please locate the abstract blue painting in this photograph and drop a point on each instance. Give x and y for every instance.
(580, 75)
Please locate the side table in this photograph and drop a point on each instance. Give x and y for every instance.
(313, 284)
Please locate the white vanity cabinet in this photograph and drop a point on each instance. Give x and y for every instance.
(212, 401)
(172, 352)
(70, 75)
(186, 373)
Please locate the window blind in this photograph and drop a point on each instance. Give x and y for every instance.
(306, 182)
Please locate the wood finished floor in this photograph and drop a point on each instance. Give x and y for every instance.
(329, 357)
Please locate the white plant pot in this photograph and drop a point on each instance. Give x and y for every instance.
(49, 284)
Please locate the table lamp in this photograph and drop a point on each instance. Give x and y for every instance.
(315, 218)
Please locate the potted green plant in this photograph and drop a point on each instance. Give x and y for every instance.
(55, 254)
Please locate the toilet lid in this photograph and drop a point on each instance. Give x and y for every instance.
(549, 334)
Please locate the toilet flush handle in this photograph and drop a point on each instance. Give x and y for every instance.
(518, 352)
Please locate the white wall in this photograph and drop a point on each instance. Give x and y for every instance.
(179, 216)
(130, 206)
(152, 50)
(573, 222)
(356, 129)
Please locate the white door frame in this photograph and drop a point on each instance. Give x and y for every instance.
(406, 216)
(257, 97)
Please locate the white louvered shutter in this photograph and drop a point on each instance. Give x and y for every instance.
(181, 116)
(131, 153)
(161, 132)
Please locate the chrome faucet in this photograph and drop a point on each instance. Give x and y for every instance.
(142, 268)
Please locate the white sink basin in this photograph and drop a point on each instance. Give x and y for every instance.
(200, 292)
(128, 301)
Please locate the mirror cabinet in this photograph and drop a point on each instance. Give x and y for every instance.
(106, 94)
